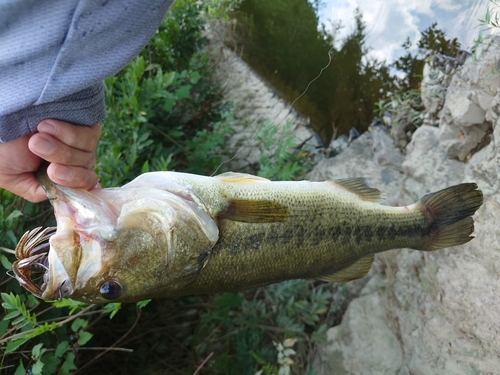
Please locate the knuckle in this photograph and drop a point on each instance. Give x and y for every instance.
(96, 135)
(91, 158)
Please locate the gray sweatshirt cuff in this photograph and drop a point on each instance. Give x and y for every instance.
(85, 107)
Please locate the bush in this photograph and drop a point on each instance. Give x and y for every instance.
(164, 112)
(163, 97)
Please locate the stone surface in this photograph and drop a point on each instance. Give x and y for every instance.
(363, 330)
(467, 110)
(427, 166)
(442, 306)
(373, 156)
(437, 75)
(256, 107)
(428, 313)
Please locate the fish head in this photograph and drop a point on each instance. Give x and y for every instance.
(119, 245)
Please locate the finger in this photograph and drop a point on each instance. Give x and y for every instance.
(55, 151)
(26, 186)
(73, 177)
(81, 137)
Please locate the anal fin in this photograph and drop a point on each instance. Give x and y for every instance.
(355, 271)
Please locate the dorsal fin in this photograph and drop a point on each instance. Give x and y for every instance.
(353, 272)
(360, 187)
(254, 211)
(240, 178)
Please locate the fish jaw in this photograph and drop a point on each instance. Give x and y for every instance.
(84, 223)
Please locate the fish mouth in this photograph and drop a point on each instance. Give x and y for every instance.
(32, 253)
(50, 261)
(54, 262)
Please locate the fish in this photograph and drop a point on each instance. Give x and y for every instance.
(171, 234)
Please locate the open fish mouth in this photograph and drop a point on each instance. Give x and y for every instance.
(32, 253)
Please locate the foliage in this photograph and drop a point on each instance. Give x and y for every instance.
(284, 42)
(402, 110)
(402, 114)
(488, 23)
(281, 160)
(259, 330)
(433, 40)
(164, 111)
(157, 114)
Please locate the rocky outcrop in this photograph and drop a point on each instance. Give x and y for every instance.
(373, 156)
(465, 124)
(257, 108)
(436, 312)
(418, 313)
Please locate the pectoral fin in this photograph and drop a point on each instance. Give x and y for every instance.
(353, 272)
(254, 211)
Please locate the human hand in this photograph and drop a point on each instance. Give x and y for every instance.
(68, 148)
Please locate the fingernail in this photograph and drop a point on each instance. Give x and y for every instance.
(63, 173)
(46, 127)
(42, 146)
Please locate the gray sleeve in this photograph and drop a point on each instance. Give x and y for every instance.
(54, 55)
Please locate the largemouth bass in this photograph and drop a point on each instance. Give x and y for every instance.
(168, 234)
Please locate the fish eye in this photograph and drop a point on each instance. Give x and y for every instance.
(110, 289)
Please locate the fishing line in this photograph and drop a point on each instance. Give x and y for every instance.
(316, 78)
(290, 106)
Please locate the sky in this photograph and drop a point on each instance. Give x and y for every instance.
(390, 22)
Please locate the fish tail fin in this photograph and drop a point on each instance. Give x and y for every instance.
(449, 212)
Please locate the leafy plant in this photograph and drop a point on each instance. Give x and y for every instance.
(280, 158)
(489, 22)
(402, 114)
(161, 99)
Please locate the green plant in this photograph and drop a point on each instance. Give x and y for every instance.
(280, 158)
(402, 114)
(161, 99)
(293, 313)
(489, 22)
(164, 105)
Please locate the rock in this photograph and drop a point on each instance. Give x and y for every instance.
(443, 306)
(256, 106)
(436, 79)
(460, 142)
(364, 343)
(384, 151)
(427, 166)
(462, 110)
(468, 109)
(338, 145)
(373, 156)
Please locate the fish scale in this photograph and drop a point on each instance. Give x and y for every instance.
(308, 249)
(169, 234)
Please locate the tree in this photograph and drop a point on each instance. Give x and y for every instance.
(285, 44)
(432, 41)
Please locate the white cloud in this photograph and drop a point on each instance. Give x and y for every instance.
(390, 22)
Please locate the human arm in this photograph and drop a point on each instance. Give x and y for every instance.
(54, 58)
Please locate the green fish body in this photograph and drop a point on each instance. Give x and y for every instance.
(170, 234)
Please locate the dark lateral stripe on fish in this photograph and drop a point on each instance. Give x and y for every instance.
(336, 235)
(449, 214)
